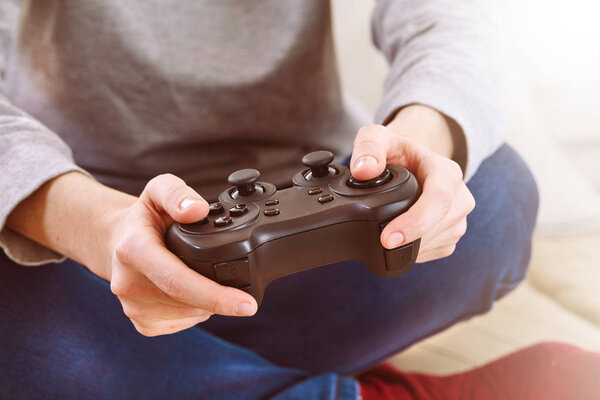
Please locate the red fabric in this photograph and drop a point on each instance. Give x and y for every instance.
(546, 371)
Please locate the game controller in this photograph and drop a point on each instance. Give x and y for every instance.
(255, 233)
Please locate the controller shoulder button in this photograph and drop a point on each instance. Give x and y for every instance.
(233, 273)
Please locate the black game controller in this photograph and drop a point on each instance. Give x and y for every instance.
(256, 234)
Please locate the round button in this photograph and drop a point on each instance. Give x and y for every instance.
(318, 162)
(243, 180)
(215, 208)
(223, 221)
(194, 227)
(382, 179)
(238, 209)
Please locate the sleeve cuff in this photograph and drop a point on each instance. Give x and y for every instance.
(479, 118)
(29, 165)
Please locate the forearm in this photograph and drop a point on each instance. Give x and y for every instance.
(73, 215)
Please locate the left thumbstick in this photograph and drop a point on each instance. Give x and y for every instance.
(244, 180)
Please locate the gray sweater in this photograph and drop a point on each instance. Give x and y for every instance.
(126, 90)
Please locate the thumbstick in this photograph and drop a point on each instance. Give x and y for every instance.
(318, 162)
(243, 180)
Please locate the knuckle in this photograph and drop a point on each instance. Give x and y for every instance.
(171, 286)
(119, 287)
(369, 135)
(147, 331)
(172, 191)
(455, 170)
(126, 249)
(460, 229)
(132, 312)
(447, 251)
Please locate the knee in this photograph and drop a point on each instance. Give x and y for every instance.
(504, 218)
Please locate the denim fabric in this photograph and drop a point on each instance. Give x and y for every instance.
(63, 334)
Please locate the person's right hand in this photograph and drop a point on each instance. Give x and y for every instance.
(158, 292)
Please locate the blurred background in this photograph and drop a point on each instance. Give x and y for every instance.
(551, 87)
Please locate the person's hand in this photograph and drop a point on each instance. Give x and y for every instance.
(439, 217)
(158, 292)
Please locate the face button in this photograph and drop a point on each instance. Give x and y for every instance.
(238, 209)
(325, 198)
(272, 202)
(215, 208)
(223, 221)
(194, 227)
(314, 191)
(382, 179)
(271, 212)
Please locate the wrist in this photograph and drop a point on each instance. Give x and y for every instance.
(432, 129)
(73, 215)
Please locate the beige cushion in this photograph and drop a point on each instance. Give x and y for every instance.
(522, 318)
(568, 270)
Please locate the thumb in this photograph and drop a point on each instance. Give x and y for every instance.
(369, 155)
(170, 194)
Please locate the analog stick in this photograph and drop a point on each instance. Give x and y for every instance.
(382, 179)
(243, 180)
(318, 162)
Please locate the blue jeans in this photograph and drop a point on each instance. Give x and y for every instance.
(63, 334)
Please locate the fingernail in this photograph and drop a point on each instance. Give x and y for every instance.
(186, 203)
(395, 239)
(366, 161)
(245, 309)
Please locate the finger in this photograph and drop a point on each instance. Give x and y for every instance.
(170, 194)
(153, 311)
(148, 255)
(166, 327)
(429, 210)
(436, 254)
(449, 235)
(369, 155)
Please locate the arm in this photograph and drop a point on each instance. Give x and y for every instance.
(446, 55)
(49, 207)
(120, 238)
(440, 110)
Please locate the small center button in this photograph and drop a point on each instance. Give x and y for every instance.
(271, 212)
(314, 191)
(272, 202)
(223, 221)
(325, 198)
(215, 208)
(238, 209)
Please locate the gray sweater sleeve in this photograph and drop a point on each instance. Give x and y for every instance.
(444, 54)
(30, 155)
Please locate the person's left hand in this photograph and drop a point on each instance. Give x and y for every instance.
(439, 216)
